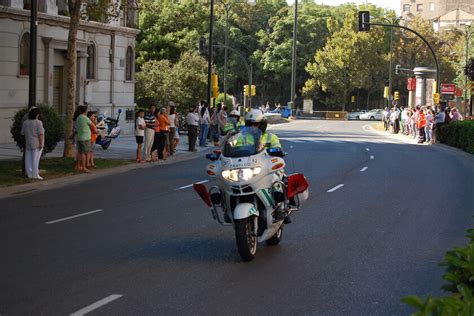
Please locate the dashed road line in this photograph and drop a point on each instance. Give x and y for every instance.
(335, 188)
(363, 169)
(372, 157)
(190, 185)
(96, 305)
(72, 217)
(368, 149)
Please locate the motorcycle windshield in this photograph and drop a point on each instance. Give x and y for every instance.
(244, 143)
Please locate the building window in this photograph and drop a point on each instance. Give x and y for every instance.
(5, 3)
(419, 7)
(406, 8)
(131, 14)
(129, 64)
(91, 58)
(432, 6)
(26, 4)
(25, 55)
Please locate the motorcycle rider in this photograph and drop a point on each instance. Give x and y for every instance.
(233, 122)
(256, 118)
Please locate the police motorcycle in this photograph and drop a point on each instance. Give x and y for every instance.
(252, 193)
(108, 129)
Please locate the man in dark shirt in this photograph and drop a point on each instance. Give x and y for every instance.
(150, 121)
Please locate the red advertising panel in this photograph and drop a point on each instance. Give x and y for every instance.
(458, 92)
(448, 88)
(411, 86)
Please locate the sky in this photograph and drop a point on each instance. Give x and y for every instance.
(391, 4)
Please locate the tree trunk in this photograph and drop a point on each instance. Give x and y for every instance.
(71, 73)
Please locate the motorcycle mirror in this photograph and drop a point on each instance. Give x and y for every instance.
(217, 152)
(212, 157)
(276, 152)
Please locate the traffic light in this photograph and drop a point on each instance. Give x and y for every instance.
(385, 92)
(397, 69)
(435, 87)
(396, 95)
(253, 90)
(246, 89)
(364, 21)
(436, 98)
(215, 85)
(353, 99)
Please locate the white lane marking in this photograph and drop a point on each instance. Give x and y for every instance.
(368, 149)
(74, 216)
(190, 185)
(363, 169)
(335, 188)
(96, 305)
(372, 157)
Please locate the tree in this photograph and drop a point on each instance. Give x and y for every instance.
(162, 81)
(96, 10)
(349, 60)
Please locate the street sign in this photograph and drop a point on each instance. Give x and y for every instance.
(448, 88)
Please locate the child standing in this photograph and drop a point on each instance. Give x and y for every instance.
(94, 132)
(140, 133)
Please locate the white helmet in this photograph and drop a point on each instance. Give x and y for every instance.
(256, 116)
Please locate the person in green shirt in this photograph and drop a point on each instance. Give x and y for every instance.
(83, 137)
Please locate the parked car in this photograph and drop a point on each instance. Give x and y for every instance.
(372, 115)
(355, 115)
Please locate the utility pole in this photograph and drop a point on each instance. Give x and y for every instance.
(293, 60)
(209, 64)
(32, 57)
(466, 80)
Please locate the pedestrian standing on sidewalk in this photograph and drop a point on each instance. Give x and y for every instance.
(215, 125)
(439, 121)
(140, 127)
(149, 131)
(415, 121)
(164, 124)
(192, 120)
(222, 119)
(421, 124)
(94, 133)
(156, 141)
(429, 125)
(173, 117)
(204, 122)
(83, 126)
(33, 130)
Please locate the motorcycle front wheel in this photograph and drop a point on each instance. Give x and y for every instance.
(246, 238)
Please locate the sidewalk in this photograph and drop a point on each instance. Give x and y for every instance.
(122, 147)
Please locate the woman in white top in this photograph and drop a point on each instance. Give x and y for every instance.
(173, 117)
(33, 130)
(204, 121)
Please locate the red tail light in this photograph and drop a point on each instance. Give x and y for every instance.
(201, 190)
(296, 184)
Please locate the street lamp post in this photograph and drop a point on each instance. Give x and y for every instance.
(293, 59)
(466, 86)
(227, 7)
(32, 54)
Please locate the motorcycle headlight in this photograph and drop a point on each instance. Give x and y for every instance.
(240, 174)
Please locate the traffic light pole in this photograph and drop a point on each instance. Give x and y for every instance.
(438, 74)
(209, 65)
(247, 65)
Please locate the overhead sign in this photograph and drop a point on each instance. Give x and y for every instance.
(448, 88)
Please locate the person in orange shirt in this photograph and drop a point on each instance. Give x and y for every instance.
(154, 147)
(94, 132)
(421, 124)
(164, 123)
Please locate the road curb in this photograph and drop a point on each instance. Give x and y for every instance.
(22, 189)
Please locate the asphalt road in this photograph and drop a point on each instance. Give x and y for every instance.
(147, 245)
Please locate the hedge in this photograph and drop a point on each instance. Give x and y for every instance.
(458, 134)
(52, 124)
(459, 264)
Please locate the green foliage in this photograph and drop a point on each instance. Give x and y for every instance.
(162, 81)
(458, 134)
(459, 264)
(52, 124)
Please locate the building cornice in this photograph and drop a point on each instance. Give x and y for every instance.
(63, 21)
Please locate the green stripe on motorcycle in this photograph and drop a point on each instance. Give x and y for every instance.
(267, 196)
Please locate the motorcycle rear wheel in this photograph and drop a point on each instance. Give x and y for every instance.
(275, 240)
(246, 238)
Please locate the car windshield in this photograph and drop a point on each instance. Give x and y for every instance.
(244, 143)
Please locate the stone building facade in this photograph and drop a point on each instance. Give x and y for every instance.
(105, 62)
(432, 9)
